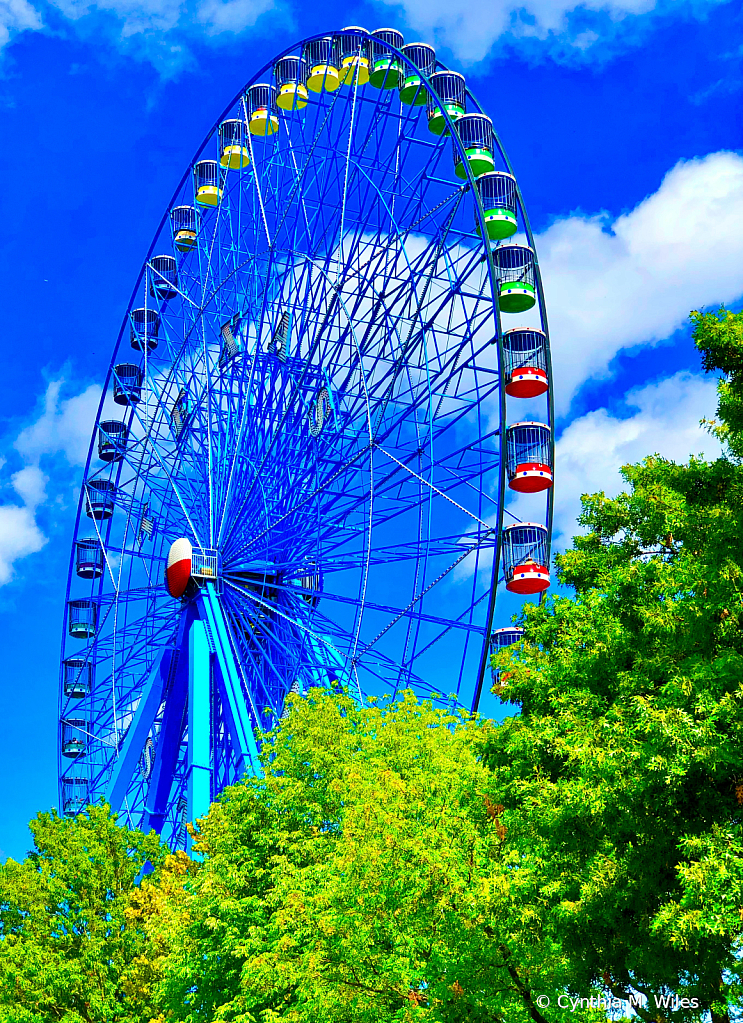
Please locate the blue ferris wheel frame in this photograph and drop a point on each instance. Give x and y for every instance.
(192, 721)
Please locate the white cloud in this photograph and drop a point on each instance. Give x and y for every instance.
(158, 28)
(16, 16)
(231, 15)
(30, 485)
(20, 534)
(64, 427)
(136, 15)
(19, 537)
(610, 286)
(593, 448)
(469, 30)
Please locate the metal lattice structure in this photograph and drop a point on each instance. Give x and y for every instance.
(308, 396)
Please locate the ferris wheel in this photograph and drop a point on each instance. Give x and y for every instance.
(299, 470)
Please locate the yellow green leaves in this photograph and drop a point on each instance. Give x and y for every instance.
(719, 337)
(620, 777)
(364, 878)
(72, 949)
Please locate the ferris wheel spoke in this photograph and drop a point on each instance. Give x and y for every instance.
(438, 637)
(450, 568)
(303, 501)
(275, 434)
(157, 438)
(407, 348)
(439, 387)
(209, 253)
(315, 642)
(348, 500)
(440, 547)
(386, 609)
(345, 495)
(272, 654)
(162, 459)
(248, 633)
(327, 115)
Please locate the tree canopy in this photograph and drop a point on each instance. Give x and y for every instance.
(622, 777)
(365, 878)
(69, 949)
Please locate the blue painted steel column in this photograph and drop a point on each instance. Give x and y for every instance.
(125, 766)
(168, 748)
(233, 700)
(199, 722)
(171, 730)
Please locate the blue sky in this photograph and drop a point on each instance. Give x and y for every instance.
(622, 120)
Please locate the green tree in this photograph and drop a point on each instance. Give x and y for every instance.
(363, 879)
(69, 949)
(622, 777)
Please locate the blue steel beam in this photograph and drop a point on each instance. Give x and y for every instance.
(233, 701)
(144, 716)
(198, 772)
(170, 737)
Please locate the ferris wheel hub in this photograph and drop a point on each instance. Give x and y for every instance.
(189, 569)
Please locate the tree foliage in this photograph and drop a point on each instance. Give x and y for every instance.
(365, 878)
(622, 777)
(69, 950)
